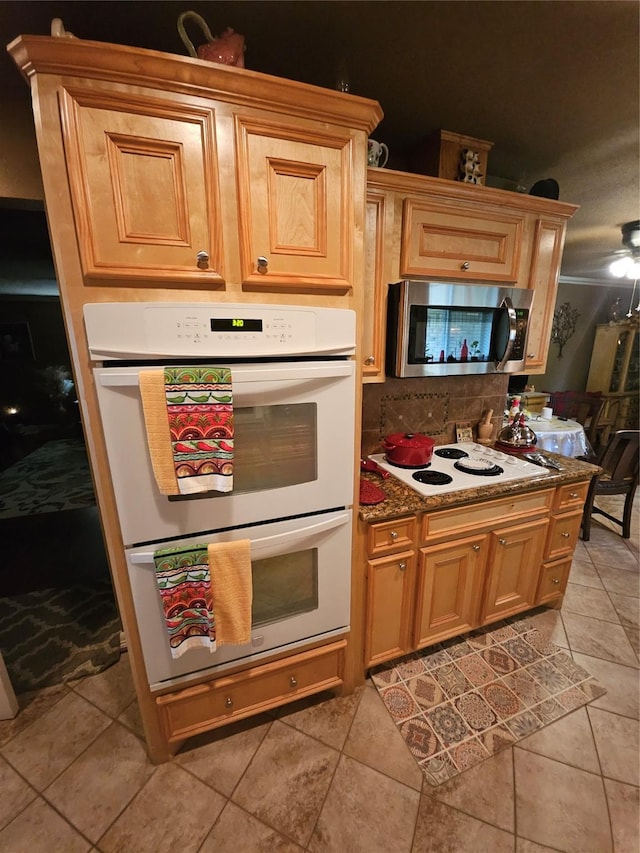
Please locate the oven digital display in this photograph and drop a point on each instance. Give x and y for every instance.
(235, 324)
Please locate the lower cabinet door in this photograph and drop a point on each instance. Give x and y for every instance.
(390, 588)
(553, 580)
(515, 556)
(449, 589)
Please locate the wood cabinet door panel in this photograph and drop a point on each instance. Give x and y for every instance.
(515, 556)
(553, 580)
(448, 590)
(378, 223)
(295, 207)
(143, 177)
(563, 534)
(459, 242)
(548, 242)
(390, 588)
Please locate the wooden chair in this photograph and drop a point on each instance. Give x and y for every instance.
(586, 408)
(620, 477)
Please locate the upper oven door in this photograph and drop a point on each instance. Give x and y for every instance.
(293, 449)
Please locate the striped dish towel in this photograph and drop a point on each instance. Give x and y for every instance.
(188, 415)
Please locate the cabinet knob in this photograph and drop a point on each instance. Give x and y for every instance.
(555, 580)
(565, 535)
(465, 266)
(393, 535)
(402, 567)
(475, 547)
(202, 260)
(263, 265)
(228, 702)
(502, 541)
(531, 355)
(293, 681)
(371, 359)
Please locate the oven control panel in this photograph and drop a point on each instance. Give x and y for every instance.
(205, 330)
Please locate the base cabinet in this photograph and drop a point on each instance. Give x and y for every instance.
(448, 590)
(436, 575)
(515, 555)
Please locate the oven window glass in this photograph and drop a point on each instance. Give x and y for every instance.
(274, 446)
(450, 334)
(284, 586)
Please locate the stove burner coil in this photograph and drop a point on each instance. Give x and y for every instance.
(410, 467)
(432, 478)
(451, 453)
(480, 467)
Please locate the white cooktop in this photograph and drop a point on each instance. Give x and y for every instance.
(513, 468)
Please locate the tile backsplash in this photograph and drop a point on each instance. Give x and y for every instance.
(431, 405)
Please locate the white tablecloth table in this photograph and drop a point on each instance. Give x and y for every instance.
(564, 437)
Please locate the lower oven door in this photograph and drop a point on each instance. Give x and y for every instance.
(294, 451)
(301, 572)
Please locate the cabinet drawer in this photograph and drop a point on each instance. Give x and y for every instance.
(460, 242)
(572, 495)
(553, 580)
(484, 515)
(207, 706)
(563, 534)
(386, 537)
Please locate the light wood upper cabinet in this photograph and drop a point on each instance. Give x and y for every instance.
(143, 176)
(463, 242)
(547, 242)
(378, 223)
(448, 231)
(295, 205)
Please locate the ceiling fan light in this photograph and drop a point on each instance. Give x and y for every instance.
(621, 267)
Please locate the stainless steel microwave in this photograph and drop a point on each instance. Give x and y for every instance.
(444, 329)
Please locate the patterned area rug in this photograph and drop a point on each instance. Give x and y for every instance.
(56, 635)
(53, 478)
(462, 701)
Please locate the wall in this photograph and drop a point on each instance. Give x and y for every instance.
(593, 303)
(429, 405)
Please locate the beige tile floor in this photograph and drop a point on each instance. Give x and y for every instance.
(334, 776)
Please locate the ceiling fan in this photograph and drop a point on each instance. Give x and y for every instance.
(627, 265)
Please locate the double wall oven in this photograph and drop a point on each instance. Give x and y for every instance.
(293, 403)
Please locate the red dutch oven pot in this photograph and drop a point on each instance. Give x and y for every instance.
(408, 449)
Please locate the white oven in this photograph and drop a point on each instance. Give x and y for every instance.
(301, 571)
(293, 463)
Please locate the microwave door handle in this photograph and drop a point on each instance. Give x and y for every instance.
(260, 548)
(507, 304)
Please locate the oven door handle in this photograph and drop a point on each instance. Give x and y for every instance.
(268, 545)
(507, 304)
(101, 353)
(114, 378)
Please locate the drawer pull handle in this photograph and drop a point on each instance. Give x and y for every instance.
(393, 536)
(465, 266)
(202, 259)
(228, 702)
(402, 567)
(555, 580)
(502, 541)
(531, 355)
(263, 264)
(293, 681)
(565, 535)
(573, 495)
(475, 547)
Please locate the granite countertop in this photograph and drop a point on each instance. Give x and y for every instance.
(402, 500)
